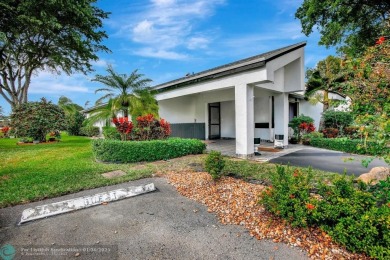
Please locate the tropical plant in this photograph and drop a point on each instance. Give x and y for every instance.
(323, 80)
(127, 93)
(301, 125)
(124, 127)
(150, 128)
(73, 118)
(37, 119)
(61, 36)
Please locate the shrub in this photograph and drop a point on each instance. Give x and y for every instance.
(337, 119)
(89, 131)
(381, 191)
(289, 195)
(306, 138)
(355, 146)
(149, 128)
(124, 127)
(138, 151)
(215, 164)
(37, 119)
(297, 125)
(110, 132)
(351, 131)
(330, 132)
(350, 215)
(74, 122)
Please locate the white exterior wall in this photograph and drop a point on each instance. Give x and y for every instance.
(228, 115)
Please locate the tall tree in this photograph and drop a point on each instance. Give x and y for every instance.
(368, 85)
(61, 36)
(353, 24)
(127, 92)
(324, 79)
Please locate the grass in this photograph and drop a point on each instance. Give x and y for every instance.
(35, 172)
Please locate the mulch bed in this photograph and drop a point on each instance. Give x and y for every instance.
(268, 149)
(236, 202)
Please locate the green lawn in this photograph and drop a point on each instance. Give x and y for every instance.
(29, 173)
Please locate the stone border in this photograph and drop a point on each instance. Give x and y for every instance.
(61, 207)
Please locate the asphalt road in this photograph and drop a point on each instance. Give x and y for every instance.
(327, 160)
(157, 225)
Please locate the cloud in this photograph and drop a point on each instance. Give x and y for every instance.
(47, 83)
(166, 28)
(197, 43)
(163, 54)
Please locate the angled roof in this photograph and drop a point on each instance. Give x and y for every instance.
(230, 68)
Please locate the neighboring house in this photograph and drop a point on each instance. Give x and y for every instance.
(253, 97)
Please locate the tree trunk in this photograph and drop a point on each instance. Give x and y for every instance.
(325, 107)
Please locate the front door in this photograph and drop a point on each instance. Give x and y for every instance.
(215, 121)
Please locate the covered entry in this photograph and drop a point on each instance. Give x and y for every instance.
(242, 100)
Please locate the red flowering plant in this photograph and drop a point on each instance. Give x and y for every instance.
(150, 128)
(306, 128)
(5, 130)
(124, 127)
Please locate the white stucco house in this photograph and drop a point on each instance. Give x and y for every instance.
(251, 98)
(242, 100)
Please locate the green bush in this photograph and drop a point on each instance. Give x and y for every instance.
(74, 122)
(381, 191)
(289, 195)
(138, 151)
(355, 146)
(111, 132)
(353, 217)
(297, 121)
(215, 164)
(89, 131)
(306, 138)
(337, 119)
(37, 119)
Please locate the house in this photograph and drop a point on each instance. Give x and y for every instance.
(251, 98)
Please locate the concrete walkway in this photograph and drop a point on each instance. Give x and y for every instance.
(328, 160)
(228, 148)
(157, 225)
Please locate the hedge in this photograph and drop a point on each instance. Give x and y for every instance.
(90, 131)
(138, 151)
(350, 146)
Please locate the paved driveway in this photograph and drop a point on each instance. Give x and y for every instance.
(328, 161)
(158, 225)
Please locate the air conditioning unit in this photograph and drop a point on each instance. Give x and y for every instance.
(279, 141)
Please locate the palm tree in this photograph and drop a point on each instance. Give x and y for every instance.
(324, 79)
(125, 91)
(68, 106)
